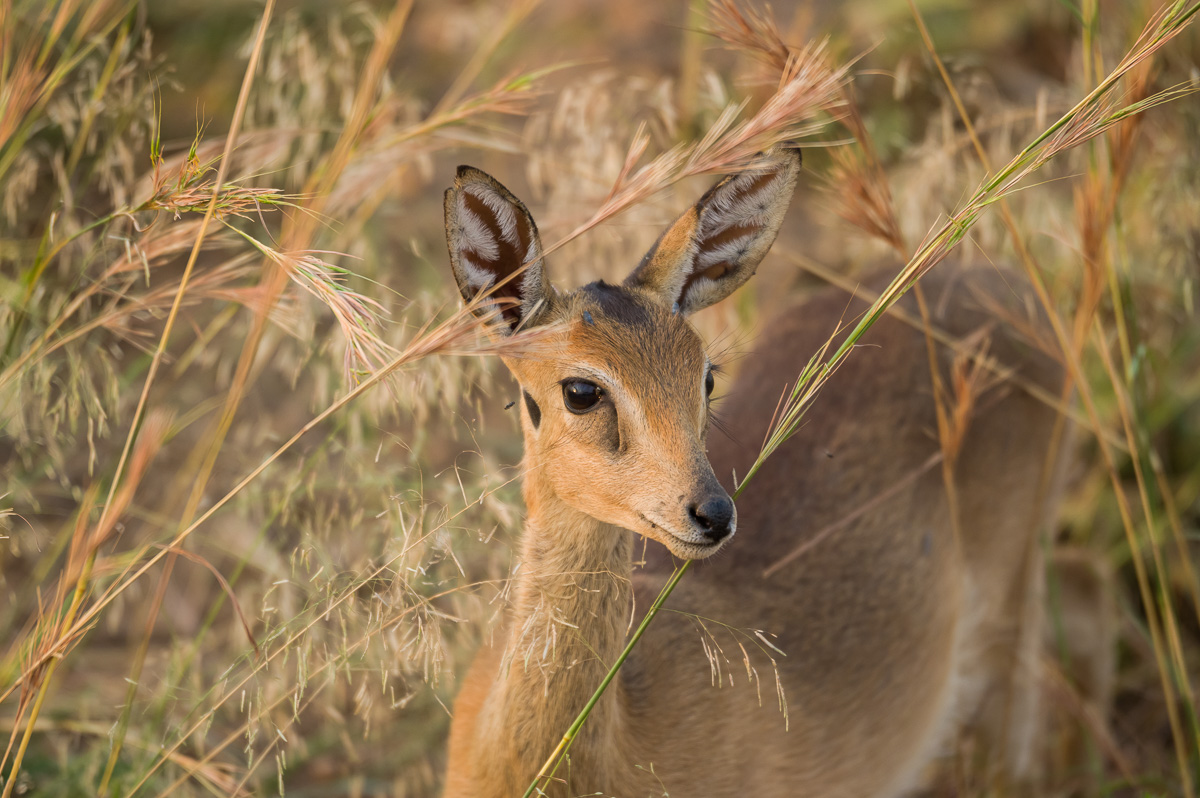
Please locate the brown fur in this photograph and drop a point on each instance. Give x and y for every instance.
(896, 631)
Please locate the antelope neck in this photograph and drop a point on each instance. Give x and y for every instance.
(576, 568)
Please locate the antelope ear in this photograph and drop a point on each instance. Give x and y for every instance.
(491, 236)
(716, 245)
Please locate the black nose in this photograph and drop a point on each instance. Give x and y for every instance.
(713, 517)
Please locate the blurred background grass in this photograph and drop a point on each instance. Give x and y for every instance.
(366, 563)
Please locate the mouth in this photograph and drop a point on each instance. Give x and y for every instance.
(681, 546)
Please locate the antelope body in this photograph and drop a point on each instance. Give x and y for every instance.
(901, 623)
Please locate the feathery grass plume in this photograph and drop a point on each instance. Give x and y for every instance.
(192, 187)
(752, 30)
(863, 196)
(809, 90)
(357, 315)
(722, 666)
(857, 178)
(970, 379)
(1096, 206)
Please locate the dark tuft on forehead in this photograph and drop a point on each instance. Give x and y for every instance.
(618, 304)
(652, 352)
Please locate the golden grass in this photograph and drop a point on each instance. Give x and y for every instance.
(177, 390)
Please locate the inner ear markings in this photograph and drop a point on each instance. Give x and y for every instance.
(720, 253)
(495, 249)
(495, 244)
(724, 195)
(716, 246)
(739, 219)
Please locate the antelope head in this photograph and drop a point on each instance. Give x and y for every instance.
(615, 422)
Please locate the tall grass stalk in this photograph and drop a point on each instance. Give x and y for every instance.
(1096, 113)
(106, 513)
(234, 127)
(320, 183)
(1096, 218)
(1072, 347)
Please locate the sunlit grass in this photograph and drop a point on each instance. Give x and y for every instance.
(339, 550)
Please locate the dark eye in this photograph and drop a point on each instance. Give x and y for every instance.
(709, 383)
(580, 396)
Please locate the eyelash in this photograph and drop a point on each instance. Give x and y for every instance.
(715, 368)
